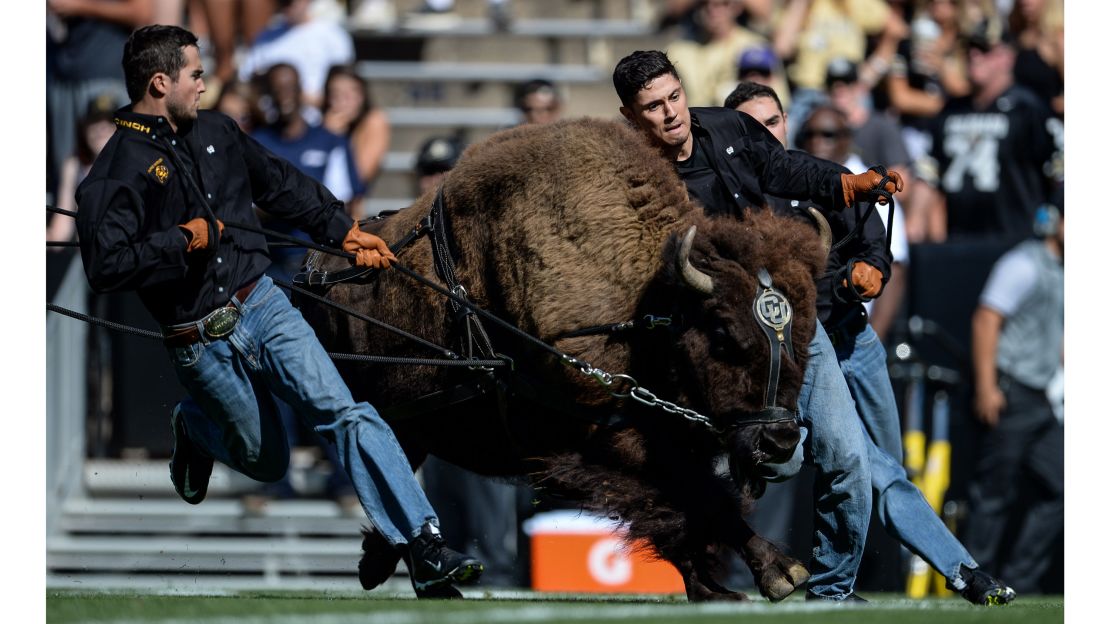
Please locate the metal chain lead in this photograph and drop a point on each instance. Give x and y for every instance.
(638, 393)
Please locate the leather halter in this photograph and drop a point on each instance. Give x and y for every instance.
(775, 317)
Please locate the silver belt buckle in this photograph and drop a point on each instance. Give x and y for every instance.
(221, 322)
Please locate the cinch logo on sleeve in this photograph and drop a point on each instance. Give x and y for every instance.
(159, 170)
(134, 125)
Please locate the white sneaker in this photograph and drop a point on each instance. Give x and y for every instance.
(374, 15)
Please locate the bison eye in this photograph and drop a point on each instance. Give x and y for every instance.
(719, 342)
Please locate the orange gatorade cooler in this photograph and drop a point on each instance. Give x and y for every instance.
(577, 552)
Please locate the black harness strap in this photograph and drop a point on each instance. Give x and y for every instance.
(477, 342)
(775, 317)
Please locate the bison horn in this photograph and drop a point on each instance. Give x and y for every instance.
(822, 228)
(694, 278)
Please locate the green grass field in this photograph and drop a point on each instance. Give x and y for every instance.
(479, 608)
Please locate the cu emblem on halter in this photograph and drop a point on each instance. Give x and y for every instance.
(773, 309)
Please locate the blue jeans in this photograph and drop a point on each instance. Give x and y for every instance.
(232, 417)
(834, 444)
(902, 509)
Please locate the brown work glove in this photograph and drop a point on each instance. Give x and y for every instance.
(369, 250)
(866, 280)
(866, 182)
(196, 233)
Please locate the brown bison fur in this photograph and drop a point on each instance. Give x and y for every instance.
(576, 224)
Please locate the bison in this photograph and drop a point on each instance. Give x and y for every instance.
(574, 225)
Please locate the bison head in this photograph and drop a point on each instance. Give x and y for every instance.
(720, 352)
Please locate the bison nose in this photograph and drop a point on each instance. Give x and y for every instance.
(778, 440)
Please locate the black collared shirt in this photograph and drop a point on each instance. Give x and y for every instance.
(137, 193)
(751, 162)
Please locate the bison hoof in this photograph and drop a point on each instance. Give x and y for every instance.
(777, 584)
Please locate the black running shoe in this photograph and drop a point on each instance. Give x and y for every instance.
(190, 468)
(982, 588)
(433, 566)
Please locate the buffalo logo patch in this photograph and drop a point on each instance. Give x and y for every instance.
(160, 171)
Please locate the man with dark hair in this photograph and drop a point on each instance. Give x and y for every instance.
(728, 162)
(538, 101)
(151, 220)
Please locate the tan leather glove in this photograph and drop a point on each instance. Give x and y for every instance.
(866, 279)
(369, 250)
(866, 182)
(196, 232)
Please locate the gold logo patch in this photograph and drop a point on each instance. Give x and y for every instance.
(160, 171)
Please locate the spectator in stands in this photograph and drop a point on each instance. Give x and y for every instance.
(993, 148)
(538, 102)
(78, 71)
(756, 16)
(760, 65)
(810, 33)
(349, 111)
(310, 44)
(326, 157)
(1017, 348)
(708, 63)
(1038, 30)
(437, 156)
(93, 132)
(929, 69)
(239, 101)
(232, 22)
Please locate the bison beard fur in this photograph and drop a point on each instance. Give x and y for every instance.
(571, 225)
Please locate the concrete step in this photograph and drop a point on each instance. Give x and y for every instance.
(418, 71)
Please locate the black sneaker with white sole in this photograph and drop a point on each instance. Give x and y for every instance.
(982, 589)
(190, 468)
(433, 567)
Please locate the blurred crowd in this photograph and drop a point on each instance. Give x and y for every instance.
(964, 98)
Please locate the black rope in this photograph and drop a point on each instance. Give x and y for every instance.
(92, 320)
(357, 357)
(54, 209)
(362, 317)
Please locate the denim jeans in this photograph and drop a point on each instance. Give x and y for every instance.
(232, 417)
(835, 445)
(902, 509)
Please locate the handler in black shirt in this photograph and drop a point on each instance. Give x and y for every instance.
(151, 219)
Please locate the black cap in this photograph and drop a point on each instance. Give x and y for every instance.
(840, 70)
(438, 154)
(987, 34)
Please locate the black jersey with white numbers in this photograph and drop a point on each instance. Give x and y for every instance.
(995, 165)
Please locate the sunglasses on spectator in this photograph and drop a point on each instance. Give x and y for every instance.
(830, 135)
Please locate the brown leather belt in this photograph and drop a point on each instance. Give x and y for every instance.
(216, 324)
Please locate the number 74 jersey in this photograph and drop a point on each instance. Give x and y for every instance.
(996, 165)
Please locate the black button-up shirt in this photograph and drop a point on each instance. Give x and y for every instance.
(138, 192)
